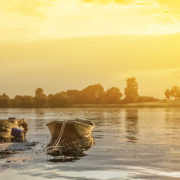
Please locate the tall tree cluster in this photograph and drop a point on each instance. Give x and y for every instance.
(93, 94)
(131, 90)
(173, 93)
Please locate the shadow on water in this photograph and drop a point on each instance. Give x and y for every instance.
(131, 125)
(64, 159)
(55, 168)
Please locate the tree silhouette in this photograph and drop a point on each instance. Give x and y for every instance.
(40, 99)
(146, 99)
(4, 100)
(17, 101)
(92, 94)
(167, 93)
(74, 95)
(131, 90)
(59, 100)
(173, 92)
(22, 101)
(27, 101)
(38, 92)
(113, 96)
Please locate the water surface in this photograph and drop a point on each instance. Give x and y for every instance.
(137, 143)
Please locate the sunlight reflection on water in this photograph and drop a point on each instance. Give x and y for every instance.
(130, 144)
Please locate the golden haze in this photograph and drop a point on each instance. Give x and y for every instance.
(59, 45)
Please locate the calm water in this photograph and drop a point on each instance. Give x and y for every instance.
(140, 143)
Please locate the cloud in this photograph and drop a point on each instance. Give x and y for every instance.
(38, 19)
(28, 7)
(172, 6)
(109, 1)
(167, 8)
(36, 7)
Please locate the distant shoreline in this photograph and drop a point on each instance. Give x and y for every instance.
(159, 104)
(130, 105)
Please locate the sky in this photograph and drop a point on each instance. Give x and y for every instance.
(69, 44)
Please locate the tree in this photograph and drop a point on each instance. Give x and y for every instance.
(113, 96)
(23, 101)
(92, 94)
(17, 101)
(40, 98)
(74, 95)
(4, 101)
(131, 90)
(27, 102)
(38, 92)
(59, 100)
(167, 93)
(146, 99)
(174, 92)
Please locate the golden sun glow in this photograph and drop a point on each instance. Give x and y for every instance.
(46, 19)
(82, 42)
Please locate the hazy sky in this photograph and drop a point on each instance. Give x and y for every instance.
(42, 19)
(65, 44)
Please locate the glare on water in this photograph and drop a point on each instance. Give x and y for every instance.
(137, 143)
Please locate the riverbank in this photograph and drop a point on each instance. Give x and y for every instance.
(157, 104)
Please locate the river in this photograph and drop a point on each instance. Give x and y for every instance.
(132, 143)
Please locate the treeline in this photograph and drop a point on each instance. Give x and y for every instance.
(173, 93)
(93, 94)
